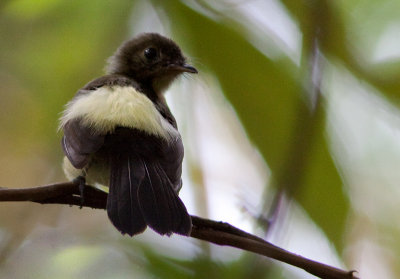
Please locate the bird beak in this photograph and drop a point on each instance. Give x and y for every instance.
(184, 68)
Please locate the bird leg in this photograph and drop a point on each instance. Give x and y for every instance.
(81, 181)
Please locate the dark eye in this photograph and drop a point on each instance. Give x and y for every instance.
(150, 53)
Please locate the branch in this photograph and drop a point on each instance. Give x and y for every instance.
(219, 233)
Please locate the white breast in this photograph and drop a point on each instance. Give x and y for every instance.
(108, 107)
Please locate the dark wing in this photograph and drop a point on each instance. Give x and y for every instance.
(173, 153)
(171, 163)
(79, 142)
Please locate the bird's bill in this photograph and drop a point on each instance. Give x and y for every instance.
(184, 68)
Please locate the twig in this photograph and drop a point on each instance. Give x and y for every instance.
(212, 231)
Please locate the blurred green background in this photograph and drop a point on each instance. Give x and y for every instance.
(291, 129)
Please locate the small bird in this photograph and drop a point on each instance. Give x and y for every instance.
(119, 132)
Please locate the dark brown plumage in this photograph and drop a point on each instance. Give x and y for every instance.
(119, 131)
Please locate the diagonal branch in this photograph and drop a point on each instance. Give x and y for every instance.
(219, 233)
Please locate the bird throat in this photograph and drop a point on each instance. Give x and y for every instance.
(161, 84)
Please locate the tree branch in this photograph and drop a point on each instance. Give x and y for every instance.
(219, 233)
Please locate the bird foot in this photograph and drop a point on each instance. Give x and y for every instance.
(81, 181)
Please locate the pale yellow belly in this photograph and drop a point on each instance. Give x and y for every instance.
(96, 173)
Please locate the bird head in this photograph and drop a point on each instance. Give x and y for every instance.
(151, 60)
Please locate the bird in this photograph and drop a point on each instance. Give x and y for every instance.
(118, 131)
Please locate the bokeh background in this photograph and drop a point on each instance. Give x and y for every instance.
(291, 129)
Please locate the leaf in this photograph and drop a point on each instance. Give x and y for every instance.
(266, 95)
(345, 36)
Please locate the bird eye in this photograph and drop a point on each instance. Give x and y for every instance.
(150, 53)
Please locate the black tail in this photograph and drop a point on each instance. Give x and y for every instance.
(122, 202)
(162, 209)
(141, 194)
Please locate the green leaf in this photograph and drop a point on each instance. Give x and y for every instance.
(266, 95)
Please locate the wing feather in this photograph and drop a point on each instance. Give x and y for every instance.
(79, 142)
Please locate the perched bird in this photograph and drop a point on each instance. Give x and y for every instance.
(119, 132)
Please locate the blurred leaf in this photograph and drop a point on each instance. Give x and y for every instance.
(321, 193)
(340, 25)
(262, 92)
(267, 97)
(53, 56)
(28, 9)
(366, 24)
(248, 266)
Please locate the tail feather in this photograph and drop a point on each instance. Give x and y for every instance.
(141, 194)
(122, 202)
(161, 207)
(181, 223)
